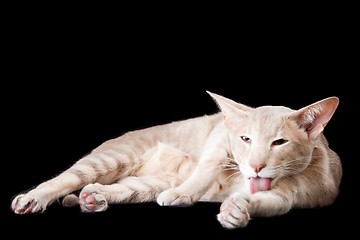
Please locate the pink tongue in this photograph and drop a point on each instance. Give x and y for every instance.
(259, 184)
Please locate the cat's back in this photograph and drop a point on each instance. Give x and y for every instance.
(333, 161)
(321, 179)
(184, 135)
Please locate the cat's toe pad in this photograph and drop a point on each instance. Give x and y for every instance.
(26, 203)
(91, 200)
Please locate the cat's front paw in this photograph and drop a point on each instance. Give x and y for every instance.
(171, 197)
(27, 203)
(91, 199)
(233, 211)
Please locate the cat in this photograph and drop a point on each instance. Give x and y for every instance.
(255, 161)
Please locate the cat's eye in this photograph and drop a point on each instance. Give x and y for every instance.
(279, 141)
(246, 139)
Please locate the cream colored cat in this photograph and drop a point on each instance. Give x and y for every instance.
(257, 161)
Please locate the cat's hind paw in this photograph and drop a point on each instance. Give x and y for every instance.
(91, 200)
(26, 203)
(171, 197)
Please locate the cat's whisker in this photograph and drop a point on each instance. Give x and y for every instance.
(231, 175)
(228, 169)
(228, 165)
(231, 159)
(233, 163)
(282, 125)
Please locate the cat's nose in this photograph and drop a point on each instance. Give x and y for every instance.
(258, 166)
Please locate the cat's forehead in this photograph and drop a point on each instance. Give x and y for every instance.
(272, 111)
(269, 118)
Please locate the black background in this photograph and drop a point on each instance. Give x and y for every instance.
(75, 78)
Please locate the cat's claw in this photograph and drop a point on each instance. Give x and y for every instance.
(91, 200)
(171, 197)
(26, 203)
(233, 211)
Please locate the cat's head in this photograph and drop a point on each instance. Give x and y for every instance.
(271, 142)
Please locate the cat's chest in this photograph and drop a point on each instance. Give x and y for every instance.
(225, 186)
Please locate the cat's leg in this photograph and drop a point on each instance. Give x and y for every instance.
(162, 167)
(207, 170)
(104, 167)
(39, 198)
(270, 203)
(96, 197)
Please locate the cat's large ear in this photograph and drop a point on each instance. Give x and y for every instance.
(231, 110)
(314, 117)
